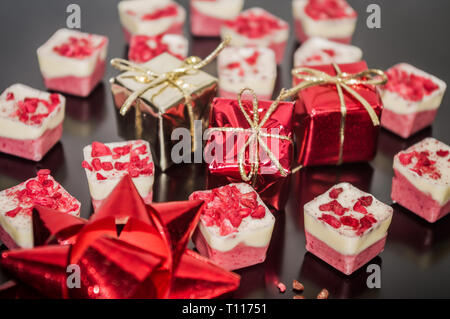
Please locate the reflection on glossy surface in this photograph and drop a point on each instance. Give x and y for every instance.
(83, 115)
(390, 144)
(19, 169)
(316, 275)
(417, 240)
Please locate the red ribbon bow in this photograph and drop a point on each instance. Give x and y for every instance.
(146, 259)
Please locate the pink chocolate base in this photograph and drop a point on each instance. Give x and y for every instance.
(7, 240)
(174, 29)
(32, 149)
(346, 264)
(302, 37)
(96, 203)
(78, 86)
(233, 95)
(203, 25)
(240, 256)
(406, 125)
(421, 204)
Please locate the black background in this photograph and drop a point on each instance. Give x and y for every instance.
(416, 260)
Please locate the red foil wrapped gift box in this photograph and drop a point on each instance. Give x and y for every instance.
(318, 120)
(271, 180)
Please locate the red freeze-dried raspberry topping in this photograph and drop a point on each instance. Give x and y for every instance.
(335, 207)
(76, 47)
(365, 223)
(335, 192)
(254, 25)
(28, 110)
(408, 85)
(227, 207)
(251, 60)
(330, 220)
(100, 149)
(350, 221)
(144, 48)
(42, 191)
(328, 9)
(318, 58)
(442, 153)
(135, 166)
(165, 12)
(9, 96)
(423, 166)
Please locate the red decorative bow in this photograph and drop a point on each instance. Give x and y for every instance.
(146, 259)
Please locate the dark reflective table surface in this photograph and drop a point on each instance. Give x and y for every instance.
(416, 260)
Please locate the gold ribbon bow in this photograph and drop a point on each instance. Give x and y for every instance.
(169, 79)
(255, 139)
(343, 81)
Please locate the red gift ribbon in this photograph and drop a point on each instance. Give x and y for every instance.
(147, 259)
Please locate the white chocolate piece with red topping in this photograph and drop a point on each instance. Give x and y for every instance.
(276, 30)
(144, 48)
(22, 118)
(320, 25)
(220, 9)
(352, 227)
(150, 17)
(16, 206)
(428, 172)
(252, 231)
(107, 164)
(411, 90)
(317, 51)
(57, 59)
(255, 68)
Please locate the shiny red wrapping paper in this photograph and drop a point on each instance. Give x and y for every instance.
(318, 121)
(223, 168)
(147, 258)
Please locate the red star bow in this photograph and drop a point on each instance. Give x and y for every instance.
(148, 258)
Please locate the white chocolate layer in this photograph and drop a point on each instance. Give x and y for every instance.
(252, 232)
(100, 189)
(220, 9)
(344, 239)
(53, 65)
(11, 127)
(20, 227)
(274, 37)
(311, 52)
(330, 28)
(135, 25)
(438, 189)
(259, 76)
(163, 100)
(177, 44)
(395, 103)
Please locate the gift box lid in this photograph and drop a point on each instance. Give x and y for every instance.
(164, 99)
(324, 98)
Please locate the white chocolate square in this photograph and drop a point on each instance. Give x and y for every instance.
(435, 182)
(219, 9)
(102, 188)
(396, 103)
(12, 127)
(54, 65)
(346, 239)
(20, 226)
(131, 15)
(255, 68)
(251, 232)
(325, 28)
(317, 51)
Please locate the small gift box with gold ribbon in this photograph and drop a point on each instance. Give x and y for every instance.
(251, 141)
(165, 93)
(337, 113)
